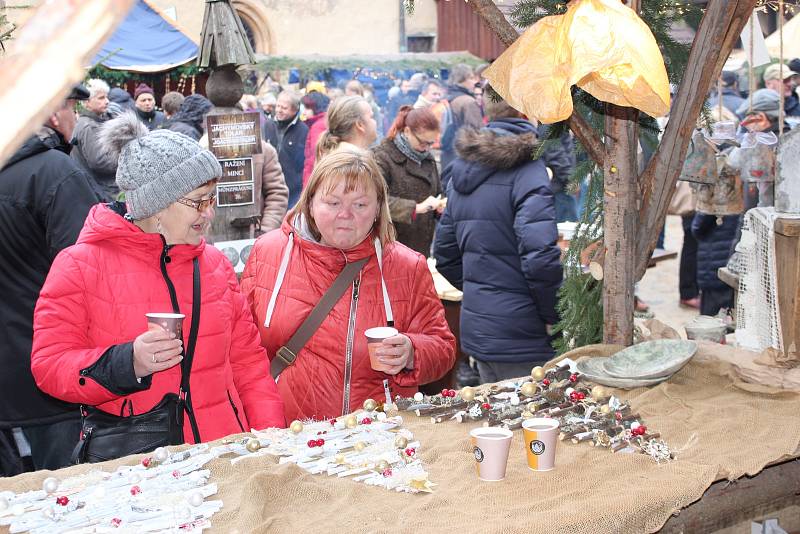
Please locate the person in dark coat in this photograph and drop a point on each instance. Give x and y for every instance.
(120, 101)
(730, 95)
(145, 101)
(560, 159)
(44, 200)
(497, 242)
(190, 118)
(86, 151)
(409, 169)
(715, 239)
(287, 134)
(463, 110)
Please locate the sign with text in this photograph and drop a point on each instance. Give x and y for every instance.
(235, 135)
(236, 187)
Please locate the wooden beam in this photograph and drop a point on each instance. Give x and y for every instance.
(496, 21)
(44, 59)
(620, 214)
(719, 29)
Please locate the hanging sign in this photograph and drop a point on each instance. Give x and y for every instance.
(236, 187)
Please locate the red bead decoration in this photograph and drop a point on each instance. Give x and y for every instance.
(546, 382)
(333, 422)
(312, 443)
(618, 416)
(451, 393)
(320, 442)
(573, 396)
(410, 451)
(146, 462)
(135, 490)
(486, 406)
(366, 421)
(116, 522)
(63, 500)
(445, 392)
(581, 395)
(387, 472)
(573, 377)
(643, 429)
(176, 474)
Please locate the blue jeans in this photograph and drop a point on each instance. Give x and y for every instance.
(566, 207)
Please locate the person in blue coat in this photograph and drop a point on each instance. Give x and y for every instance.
(497, 242)
(716, 237)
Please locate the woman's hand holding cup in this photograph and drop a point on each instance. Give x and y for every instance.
(154, 351)
(389, 351)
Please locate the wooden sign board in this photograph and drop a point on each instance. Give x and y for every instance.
(235, 135)
(236, 187)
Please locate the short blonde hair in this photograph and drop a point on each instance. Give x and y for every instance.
(356, 170)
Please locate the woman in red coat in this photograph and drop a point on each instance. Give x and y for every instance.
(317, 104)
(91, 340)
(342, 217)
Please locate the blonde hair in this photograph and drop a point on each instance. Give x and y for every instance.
(343, 114)
(355, 170)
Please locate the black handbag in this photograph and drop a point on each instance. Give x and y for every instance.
(105, 436)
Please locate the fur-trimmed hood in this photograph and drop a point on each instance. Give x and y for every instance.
(502, 144)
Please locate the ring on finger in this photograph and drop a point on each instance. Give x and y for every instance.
(154, 358)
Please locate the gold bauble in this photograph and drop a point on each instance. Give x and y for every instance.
(339, 458)
(383, 465)
(351, 421)
(296, 427)
(359, 446)
(253, 445)
(370, 405)
(537, 373)
(400, 442)
(528, 389)
(526, 414)
(604, 409)
(468, 394)
(599, 392)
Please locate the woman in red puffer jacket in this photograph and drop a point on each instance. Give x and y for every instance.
(91, 340)
(343, 216)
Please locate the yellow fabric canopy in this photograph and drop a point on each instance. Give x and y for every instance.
(602, 46)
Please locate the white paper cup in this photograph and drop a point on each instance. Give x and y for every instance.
(541, 436)
(490, 447)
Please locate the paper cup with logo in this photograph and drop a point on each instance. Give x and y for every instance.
(375, 337)
(171, 322)
(490, 446)
(540, 435)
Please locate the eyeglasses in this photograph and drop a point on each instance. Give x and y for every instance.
(426, 144)
(200, 205)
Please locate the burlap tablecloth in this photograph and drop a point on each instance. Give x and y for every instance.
(717, 429)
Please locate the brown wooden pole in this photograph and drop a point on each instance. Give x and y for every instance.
(619, 223)
(719, 29)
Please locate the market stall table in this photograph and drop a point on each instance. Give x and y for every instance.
(717, 430)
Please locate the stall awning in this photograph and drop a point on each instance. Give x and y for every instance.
(147, 41)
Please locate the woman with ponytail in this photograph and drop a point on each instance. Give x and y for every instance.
(409, 169)
(350, 126)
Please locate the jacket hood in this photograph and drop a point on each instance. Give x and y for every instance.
(454, 91)
(46, 139)
(121, 96)
(106, 223)
(314, 118)
(502, 144)
(193, 110)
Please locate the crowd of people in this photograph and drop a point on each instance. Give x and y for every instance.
(107, 214)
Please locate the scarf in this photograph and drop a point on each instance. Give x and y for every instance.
(403, 146)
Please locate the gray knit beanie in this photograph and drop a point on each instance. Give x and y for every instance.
(155, 168)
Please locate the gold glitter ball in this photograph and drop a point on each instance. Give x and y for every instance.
(528, 389)
(400, 442)
(359, 446)
(350, 421)
(296, 427)
(370, 405)
(537, 373)
(383, 465)
(253, 445)
(468, 394)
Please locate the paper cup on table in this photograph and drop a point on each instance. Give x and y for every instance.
(490, 446)
(171, 322)
(540, 435)
(375, 337)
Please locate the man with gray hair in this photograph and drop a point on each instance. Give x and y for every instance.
(86, 151)
(171, 103)
(464, 111)
(287, 133)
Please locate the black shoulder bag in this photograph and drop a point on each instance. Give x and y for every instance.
(105, 436)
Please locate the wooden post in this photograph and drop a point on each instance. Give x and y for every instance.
(620, 208)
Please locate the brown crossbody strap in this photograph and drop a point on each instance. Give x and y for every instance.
(287, 354)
